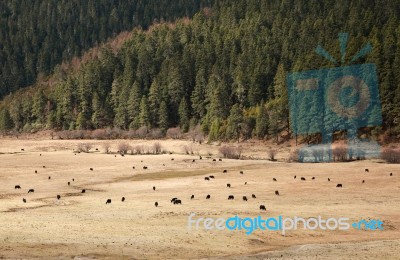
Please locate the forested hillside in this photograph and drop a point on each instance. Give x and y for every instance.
(35, 35)
(224, 69)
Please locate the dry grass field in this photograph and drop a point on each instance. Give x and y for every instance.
(83, 226)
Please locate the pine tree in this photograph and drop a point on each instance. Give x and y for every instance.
(261, 128)
(5, 121)
(184, 115)
(163, 116)
(234, 120)
(144, 118)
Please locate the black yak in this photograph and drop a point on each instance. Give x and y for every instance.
(253, 196)
(31, 190)
(123, 199)
(108, 201)
(156, 204)
(277, 193)
(262, 207)
(274, 179)
(58, 197)
(339, 186)
(228, 185)
(231, 197)
(244, 198)
(192, 197)
(208, 197)
(17, 187)
(177, 201)
(303, 179)
(83, 191)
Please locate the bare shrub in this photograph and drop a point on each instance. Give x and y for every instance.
(138, 149)
(99, 134)
(339, 153)
(157, 148)
(318, 154)
(123, 148)
(391, 155)
(188, 149)
(142, 132)
(174, 133)
(84, 147)
(230, 152)
(272, 152)
(106, 147)
(156, 133)
(196, 134)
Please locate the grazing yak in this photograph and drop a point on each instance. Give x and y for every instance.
(73, 179)
(193, 160)
(44, 166)
(245, 182)
(313, 178)
(58, 197)
(214, 160)
(206, 178)
(177, 201)
(295, 177)
(224, 171)
(35, 171)
(49, 177)
(274, 179)
(91, 169)
(391, 174)
(228, 185)
(231, 197)
(211, 177)
(173, 199)
(366, 170)
(133, 167)
(123, 199)
(108, 201)
(241, 172)
(192, 197)
(17, 187)
(339, 185)
(262, 207)
(208, 197)
(253, 196)
(156, 204)
(201, 158)
(154, 187)
(31, 190)
(220, 160)
(329, 179)
(172, 159)
(144, 167)
(303, 179)
(83, 191)
(24, 200)
(69, 183)
(244, 198)
(277, 193)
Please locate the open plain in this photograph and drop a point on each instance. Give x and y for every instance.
(82, 226)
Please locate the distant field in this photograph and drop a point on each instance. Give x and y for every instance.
(84, 226)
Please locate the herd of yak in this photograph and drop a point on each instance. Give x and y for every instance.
(177, 201)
